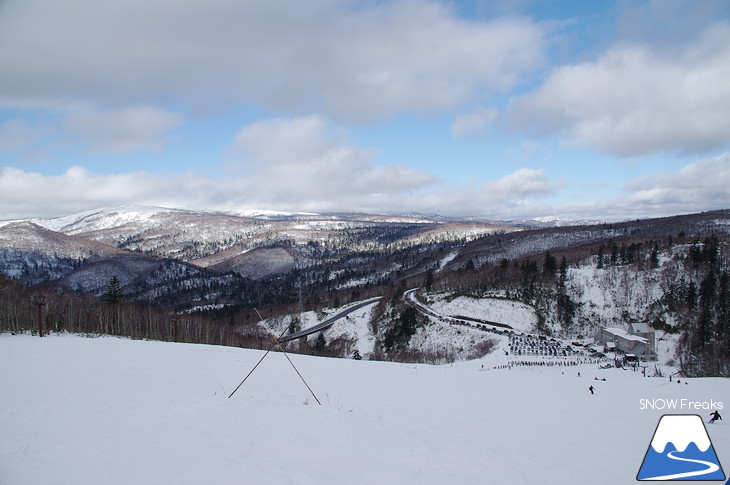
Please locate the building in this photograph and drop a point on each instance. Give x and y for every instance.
(643, 329)
(639, 340)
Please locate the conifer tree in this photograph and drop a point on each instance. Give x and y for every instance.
(113, 293)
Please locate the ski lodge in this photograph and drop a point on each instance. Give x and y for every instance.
(638, 342)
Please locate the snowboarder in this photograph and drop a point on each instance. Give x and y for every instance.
(715, 416)
(591, 389)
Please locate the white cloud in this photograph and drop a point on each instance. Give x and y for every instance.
(311, 168)
(521, 184)
(698, 186)
(347, 59)
(140, 128)
(636, 101)
(307, 160)
(473, 124)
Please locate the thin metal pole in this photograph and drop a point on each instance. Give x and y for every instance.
(251, 372)
(287, 357)
(277, 343)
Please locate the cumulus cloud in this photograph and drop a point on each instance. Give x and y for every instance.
(635, 100)
(523, 183)
(369, 188)
(698, 186)
(350, 60)
(287, 163)
(306, 159)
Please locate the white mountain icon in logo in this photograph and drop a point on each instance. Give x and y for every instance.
(680, 450)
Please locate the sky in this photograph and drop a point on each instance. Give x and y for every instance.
(507, 109)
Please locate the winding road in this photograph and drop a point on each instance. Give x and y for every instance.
(329, 322)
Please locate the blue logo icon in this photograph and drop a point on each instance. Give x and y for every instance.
(680, 450)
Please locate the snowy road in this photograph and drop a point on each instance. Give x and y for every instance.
(329, 322)
(411, 300)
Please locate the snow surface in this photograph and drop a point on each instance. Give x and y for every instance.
(521, 317)
(78, 410)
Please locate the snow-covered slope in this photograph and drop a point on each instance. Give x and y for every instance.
(211, 238)
(106, 410)
(520, 317)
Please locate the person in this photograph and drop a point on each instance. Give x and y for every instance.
(591, 389)
(715, 416)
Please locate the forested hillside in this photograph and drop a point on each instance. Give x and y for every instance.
(680, 284)
(673, 273)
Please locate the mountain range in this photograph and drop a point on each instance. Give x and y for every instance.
(189, 258)
(150, 249)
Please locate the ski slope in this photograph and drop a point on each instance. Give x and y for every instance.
(76, 410)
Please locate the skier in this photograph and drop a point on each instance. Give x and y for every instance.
(591, 389)
(715, 416)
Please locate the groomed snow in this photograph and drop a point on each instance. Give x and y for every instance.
(77, 410)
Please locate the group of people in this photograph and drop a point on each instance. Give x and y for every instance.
(543, 363)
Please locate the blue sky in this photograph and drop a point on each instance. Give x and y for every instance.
(505, 109)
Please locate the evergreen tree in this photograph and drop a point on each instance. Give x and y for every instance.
(655, 256)
(566, 306)
(113, 293)
(402, 330)
(550, 265)
(320, 343)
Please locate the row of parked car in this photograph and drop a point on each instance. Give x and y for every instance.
(478, 326)
(523, 344)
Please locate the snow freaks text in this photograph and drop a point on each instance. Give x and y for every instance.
(676, 404)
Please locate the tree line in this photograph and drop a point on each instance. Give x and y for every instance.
(53, 308)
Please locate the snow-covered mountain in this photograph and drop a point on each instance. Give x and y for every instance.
(82, 250)
(189, 235)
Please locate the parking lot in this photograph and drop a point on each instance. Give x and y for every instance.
(523, 344)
